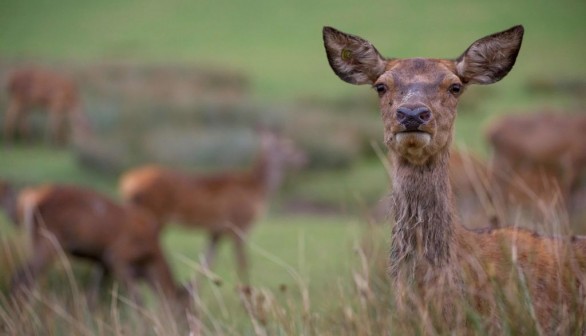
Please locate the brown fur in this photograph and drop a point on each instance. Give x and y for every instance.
(123, 240)
(55, 93)
(222, 204)
(430, 249)
(539, 151)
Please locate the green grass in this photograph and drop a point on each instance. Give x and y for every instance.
(278, 245)
(353, 189)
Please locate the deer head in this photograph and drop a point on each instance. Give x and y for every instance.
(419, 96)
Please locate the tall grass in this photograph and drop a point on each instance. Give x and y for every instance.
(357, 301)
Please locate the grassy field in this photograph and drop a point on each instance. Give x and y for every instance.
(278, 45)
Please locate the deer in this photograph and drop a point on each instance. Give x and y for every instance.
(432, 252)
(223, 204)
(122, 240)
(51, 91)
(541, 150)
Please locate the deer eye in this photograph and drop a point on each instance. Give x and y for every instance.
(380, 88)
(455, 89)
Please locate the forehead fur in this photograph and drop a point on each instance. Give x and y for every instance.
(419, 69)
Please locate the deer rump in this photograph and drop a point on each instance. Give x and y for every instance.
(123, 240)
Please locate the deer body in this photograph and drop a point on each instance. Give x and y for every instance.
(430, 250)
(124, 240)
(55, 93)
(546, 145)
(224, 204)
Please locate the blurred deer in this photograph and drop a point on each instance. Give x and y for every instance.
(433, 256)
(53, 92)
(223, 204)
(122, 240)
(539, 152)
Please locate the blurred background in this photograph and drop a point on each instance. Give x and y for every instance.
(185, 83)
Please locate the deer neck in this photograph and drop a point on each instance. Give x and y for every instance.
(267, 171)
(424, 220)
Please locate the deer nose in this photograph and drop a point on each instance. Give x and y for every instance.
(413, 117)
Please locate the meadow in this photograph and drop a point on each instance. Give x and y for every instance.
(314, 272)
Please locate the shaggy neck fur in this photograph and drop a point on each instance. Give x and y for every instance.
(424, 221)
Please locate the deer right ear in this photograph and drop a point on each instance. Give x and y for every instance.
(491, 58)
(353, 59)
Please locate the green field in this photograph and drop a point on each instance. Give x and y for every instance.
(278, 45)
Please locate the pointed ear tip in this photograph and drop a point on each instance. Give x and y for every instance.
(329, 30)
(519, 29)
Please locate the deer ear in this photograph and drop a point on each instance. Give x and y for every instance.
(491, 58)
(353, 59)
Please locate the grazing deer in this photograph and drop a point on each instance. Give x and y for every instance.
(222, 204)
(56, 93)
(430, 249)
(123, 240)
(541, 150)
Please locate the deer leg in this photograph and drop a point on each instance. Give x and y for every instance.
(56, 125)
(99, 274)
(158, 275)
(43, 254)
(11, 120)
(241, 258)
(123, 271)
(210, 254)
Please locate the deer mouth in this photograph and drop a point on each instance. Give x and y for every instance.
(413, 138)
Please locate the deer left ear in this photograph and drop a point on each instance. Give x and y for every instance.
(353, 59)
(490, 59)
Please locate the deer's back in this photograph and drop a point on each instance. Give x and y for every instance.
(208, 201)
(552, 269)
(85, 222)
(542, 138)
(34, 86)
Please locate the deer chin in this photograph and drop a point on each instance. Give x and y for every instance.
(413, 146)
